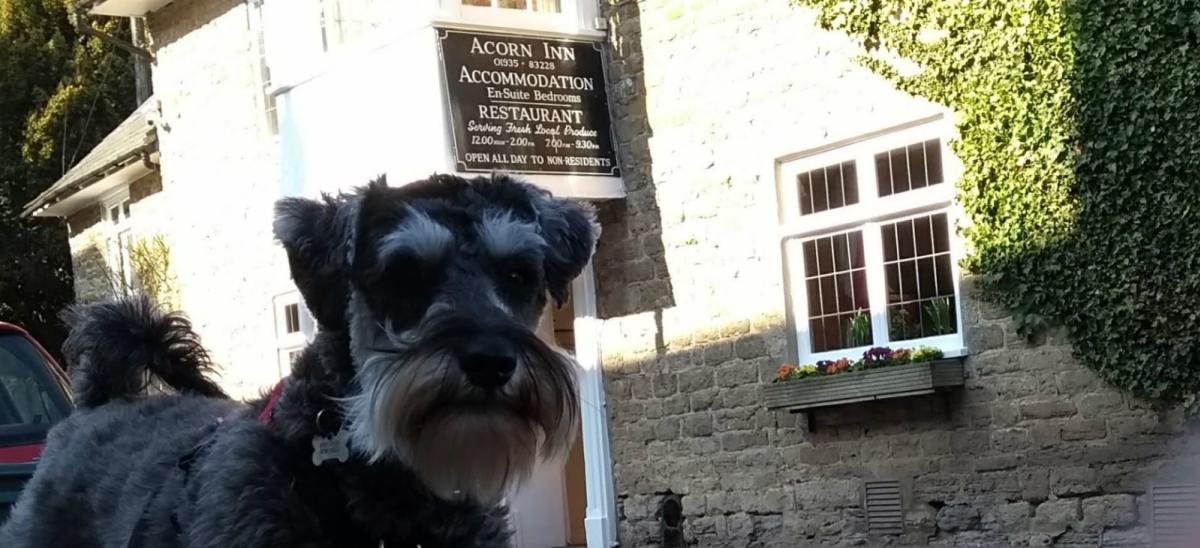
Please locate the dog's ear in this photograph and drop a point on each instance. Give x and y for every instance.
(319, 239)
(571, 232)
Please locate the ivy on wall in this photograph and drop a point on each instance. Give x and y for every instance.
(1079, 133)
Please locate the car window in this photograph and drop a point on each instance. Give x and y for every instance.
(29, 403)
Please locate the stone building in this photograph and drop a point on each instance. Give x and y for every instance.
(761, 216)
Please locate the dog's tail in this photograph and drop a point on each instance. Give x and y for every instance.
(115, 350)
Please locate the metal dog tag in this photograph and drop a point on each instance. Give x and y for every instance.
(326, 448)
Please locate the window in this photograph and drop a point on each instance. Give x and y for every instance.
(294, 328)
(562, 16)
(29, 402)
(291, 314)
(551, 6)
(868, 230)
(120, 239)
(269, 109)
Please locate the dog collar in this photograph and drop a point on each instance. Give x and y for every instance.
(268, 412)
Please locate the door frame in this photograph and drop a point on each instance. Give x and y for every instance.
(600, 524)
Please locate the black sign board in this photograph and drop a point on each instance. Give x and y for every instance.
(530, 105)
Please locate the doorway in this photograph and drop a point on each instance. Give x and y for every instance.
(550, 509)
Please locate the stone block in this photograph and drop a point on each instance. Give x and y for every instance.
(1109, 511)
(968, 442)
(750, 347)
(717, 353)
(1014, 516)
(666, 429)
(1047, 409)
(698, 424)
(1079, 429)
(1053, 517)
(742, 396)
(1099, 404)
(934, 443)
(1045, 435)
(664, 384)
(1076, 381)
(1073, 480)
(737, 441)
(695, 379)
(736, 374)
(957, 517)
(701, 400)
(1010, 440)
(985, 337)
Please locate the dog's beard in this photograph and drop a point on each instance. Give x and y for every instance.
(414, 404)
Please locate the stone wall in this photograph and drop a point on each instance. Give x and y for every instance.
(220, 181)
(1033, 451)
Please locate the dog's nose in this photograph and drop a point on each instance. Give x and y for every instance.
(488, 365)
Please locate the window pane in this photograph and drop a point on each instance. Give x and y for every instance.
(921, 299)
(841, 253)
(899, 159)
(933, 161)
(924, 236)
(828, 187)
(833, 176)
(916, 166)
(883, 174)
(291, 316)
(889, 243)
(824, 256)
(856, 249)
(908, 168)
(810, 259)
(804, 183)
(838, 301)
(814, 297)
(820, 196)
(904, 237)
(850, 182)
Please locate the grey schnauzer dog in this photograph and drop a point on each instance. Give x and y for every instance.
(425, 396)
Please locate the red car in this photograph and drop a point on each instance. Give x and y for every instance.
(34, 394)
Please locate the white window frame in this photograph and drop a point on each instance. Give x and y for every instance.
(121, 233)
(287, 343)
(867, 216)
(575, 17)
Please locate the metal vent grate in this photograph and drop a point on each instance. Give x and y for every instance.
(1174, 509)
(885, 512)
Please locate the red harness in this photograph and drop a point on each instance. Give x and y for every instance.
(268, 412)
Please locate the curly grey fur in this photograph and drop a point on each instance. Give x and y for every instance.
(114, 349)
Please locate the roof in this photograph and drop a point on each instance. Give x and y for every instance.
(120, 8)
(124, 145)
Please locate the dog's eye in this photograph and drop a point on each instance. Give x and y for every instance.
(516, 277)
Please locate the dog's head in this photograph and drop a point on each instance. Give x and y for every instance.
(440, 285)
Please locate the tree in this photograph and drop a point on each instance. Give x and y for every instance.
(59, 95)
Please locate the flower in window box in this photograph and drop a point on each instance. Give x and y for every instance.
(926, 354)
(805, 371)
(823, 365)
(838, 366)
(901, 356)
(785, 372)
(878, 356)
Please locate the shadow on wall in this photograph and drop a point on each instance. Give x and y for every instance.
(630, 261)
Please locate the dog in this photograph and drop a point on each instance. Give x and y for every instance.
(424, 397)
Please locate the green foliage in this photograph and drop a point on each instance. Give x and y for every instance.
(49, 84)
(858, 333)
(1079, 132)
(150, 260)
(939, 316)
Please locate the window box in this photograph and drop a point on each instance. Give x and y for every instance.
(897, 381)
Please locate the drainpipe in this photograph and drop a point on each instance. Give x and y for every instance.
(141, 64)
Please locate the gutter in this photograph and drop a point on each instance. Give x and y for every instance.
(141, 154)
(81, 20)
